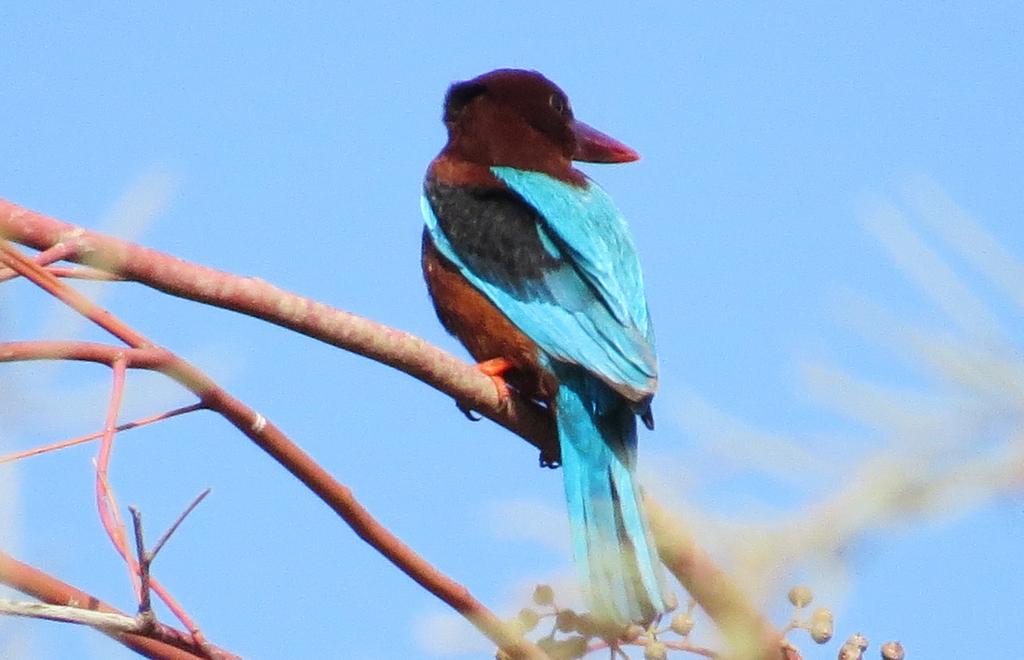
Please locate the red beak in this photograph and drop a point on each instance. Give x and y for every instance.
(593, 146)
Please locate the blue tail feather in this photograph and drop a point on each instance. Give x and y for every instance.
(614, 552)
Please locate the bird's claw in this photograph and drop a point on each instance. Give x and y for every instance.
(495, 370)
(552, 462)
(468, 412)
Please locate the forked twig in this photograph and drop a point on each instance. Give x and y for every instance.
(145, 557)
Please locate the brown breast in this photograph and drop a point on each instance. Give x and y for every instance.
(480, 326)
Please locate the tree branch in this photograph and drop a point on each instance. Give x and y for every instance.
(260, 299)
(746, 632)
(269, 438)
(162, 642)
(392, 347)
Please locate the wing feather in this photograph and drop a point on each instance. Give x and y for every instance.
(590, 310)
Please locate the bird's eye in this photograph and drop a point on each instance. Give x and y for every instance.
(558, 103)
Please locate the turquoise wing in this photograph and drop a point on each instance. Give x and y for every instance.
(591, 310)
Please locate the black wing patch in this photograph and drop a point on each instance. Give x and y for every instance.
(494, 231)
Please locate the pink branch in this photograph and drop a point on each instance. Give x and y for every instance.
(45, 258)
(24, 266)
(64, 444)
(389, 346)
(269, 438)
(110, 516)
(104, 495)
(260, 299)
(83, 274)
(164, 643)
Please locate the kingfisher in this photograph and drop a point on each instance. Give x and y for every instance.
(531, 266)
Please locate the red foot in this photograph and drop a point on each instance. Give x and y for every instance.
(495, 368)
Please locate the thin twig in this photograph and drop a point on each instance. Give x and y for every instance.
(102, 620)
(144, 560)
(690, 648)
(105, 503)
(64, 444)
(83, 273)
(177, 523)
(45, 258)
(16, 261)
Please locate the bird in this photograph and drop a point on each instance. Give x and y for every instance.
(531, 266)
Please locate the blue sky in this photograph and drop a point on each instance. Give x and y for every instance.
(290, 144)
